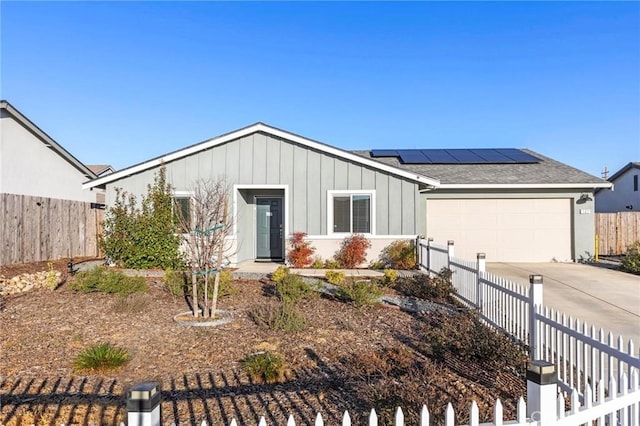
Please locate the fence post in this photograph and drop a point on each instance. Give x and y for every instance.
(143, 405)
(418, 251)
(429, 241)
(535, 302)
(542, 392)
(481, 266)
(449, 253)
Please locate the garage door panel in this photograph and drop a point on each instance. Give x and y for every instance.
(507, 230)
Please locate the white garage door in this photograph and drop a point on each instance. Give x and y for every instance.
(507, 230)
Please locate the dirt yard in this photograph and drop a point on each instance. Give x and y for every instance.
(200, 369)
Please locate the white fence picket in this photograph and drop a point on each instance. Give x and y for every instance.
(580, 356)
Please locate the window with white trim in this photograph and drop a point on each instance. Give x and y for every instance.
(182, 212)
(351, 212)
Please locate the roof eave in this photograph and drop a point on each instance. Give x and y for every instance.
(259, 127)
(46, 139)
(582, 186)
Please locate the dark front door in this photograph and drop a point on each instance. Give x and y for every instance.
(269, 229)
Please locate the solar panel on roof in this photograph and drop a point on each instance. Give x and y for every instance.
(518, 156)
(412, 156)
(458, 156)
(438, 156)
(465, 156)
(384, 153)
(492, 156)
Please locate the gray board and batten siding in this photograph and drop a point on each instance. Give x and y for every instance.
(265, 160)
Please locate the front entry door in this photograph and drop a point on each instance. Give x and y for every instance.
(269, 231)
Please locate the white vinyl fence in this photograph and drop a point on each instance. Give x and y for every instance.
(546, 407)
(582, 355)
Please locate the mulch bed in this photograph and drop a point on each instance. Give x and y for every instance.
(200, 368)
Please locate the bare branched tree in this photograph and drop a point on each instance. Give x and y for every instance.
(208, 224)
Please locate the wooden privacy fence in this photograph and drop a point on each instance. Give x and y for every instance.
(617, 231)
(35, 229)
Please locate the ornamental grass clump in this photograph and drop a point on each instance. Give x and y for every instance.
(101, 357)
(279, 316)
(265, 367)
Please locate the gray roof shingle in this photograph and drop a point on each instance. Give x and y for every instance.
(547, 171)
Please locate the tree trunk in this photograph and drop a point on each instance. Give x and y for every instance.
(194, 282)
(216, 282)
(205, 308)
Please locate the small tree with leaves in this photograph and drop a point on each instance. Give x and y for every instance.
(208, 227)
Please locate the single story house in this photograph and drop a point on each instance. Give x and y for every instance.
(33, 164)
(44, 211)
(624, 196)
(513, 205)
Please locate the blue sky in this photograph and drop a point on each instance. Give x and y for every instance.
(122, 82)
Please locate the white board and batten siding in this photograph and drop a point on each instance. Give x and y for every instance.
(507, 230)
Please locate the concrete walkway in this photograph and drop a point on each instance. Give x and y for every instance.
(603, 297)
(251, 269)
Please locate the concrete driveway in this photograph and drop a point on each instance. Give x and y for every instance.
(603, 297)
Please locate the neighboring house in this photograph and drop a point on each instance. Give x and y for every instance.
(44, 211)
(32, 163)
(624, 196)
(100, 170)
(283, 183)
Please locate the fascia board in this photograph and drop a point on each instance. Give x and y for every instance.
(258, 127)
(528, 186)
(46, 139)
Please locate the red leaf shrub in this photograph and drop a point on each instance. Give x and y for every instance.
(400, 254)
(353, 251)
(299, 256)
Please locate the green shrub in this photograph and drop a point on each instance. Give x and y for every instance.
(99, 279)
(101, 357)
(334, 277)
(265, 367)
(143, 237)
(472, 341)
(400, 254)
(390, 276)
(225, 284)
(353, 251)
(331, 264)
(279, 316)
(279, 274)
(631, 261)
(438, 289)
(177, 283)
(317, 263)
(361, 293)
(51, 281)
(376, 264)
(292, 288)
